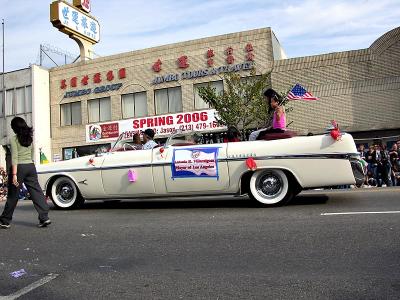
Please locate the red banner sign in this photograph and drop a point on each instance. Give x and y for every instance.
(163, 126)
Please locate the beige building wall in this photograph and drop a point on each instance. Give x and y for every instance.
(357, 88)
(139, 75)
(360, 89)
(35, 110)
(41, 112)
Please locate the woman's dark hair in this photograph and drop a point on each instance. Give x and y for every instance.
(23, 131)
(271, 94)
(232, 133)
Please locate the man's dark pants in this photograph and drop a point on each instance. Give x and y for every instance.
(26, 173)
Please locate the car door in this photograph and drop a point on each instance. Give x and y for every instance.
(115, 173)
(193, 179)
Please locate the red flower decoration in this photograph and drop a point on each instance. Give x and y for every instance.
(251, 164)
(335, 132)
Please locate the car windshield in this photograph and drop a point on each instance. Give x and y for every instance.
(182, 139)
(125, 143)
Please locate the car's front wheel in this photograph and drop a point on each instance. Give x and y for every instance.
(270, 187)
(65, 194)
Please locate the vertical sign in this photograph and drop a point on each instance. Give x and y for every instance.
(73, 21)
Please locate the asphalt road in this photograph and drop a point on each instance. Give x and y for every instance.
(227, 248)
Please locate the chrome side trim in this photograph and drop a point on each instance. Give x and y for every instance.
(346, 156)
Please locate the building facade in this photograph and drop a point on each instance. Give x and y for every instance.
(92, 102)
(360, 89)
(27, 95)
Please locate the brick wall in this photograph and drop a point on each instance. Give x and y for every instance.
(360, 89)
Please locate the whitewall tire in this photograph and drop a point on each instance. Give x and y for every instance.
(270, 187)
(65, 194)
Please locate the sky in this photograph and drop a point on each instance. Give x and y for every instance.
(303, 27)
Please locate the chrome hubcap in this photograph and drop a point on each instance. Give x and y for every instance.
(65, 192)
(269, 185)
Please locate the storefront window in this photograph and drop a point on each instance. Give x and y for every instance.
(1, 103)
(168, 100)
(134, 105)
(28, 98)
(9, 102)
(199, 103)
(71, 114)
(99, 110)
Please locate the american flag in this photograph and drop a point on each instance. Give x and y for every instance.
(300, 93)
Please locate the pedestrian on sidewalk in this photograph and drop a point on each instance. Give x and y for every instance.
(23, 170)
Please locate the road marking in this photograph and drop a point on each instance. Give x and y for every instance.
(361, 213)
(30, 287)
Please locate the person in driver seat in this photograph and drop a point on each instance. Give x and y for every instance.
(137, 144)
(148, 136)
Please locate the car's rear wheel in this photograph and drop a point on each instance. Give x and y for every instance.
(65, 194)
(270, 187)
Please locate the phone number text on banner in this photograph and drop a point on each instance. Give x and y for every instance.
(195, 162)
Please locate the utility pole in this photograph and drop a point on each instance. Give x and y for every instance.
(3, 87)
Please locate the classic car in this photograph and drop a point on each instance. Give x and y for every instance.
(269, 171)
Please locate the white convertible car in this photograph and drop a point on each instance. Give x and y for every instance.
(272, 172)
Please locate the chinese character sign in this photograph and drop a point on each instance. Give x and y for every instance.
(157, 66)
(249, 52)
(230, 59)
(122, 73)
(97, 78)
(83, 4)
(210, 55)
(63, 84)
(183, 62)
(249, 47)
(76, 21)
